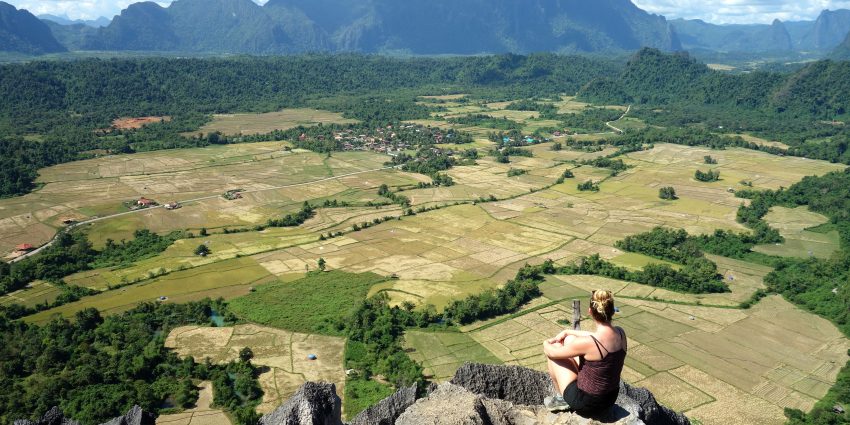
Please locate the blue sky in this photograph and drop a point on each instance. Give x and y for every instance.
(717, 11)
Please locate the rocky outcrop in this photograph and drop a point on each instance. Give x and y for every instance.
(313, 404)
(387, 410)
(515, 384)
(54, 416)
(478, 394)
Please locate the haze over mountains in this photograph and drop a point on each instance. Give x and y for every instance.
(412, 26)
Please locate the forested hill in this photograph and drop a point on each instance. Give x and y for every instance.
(22, 32)
(842, 52)
(818, 91)
(410, 26)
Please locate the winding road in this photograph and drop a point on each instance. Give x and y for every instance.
(629, 108)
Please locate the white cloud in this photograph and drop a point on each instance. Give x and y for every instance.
(741, 11)
(718, 11)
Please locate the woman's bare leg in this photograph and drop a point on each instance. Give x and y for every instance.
(563, 371)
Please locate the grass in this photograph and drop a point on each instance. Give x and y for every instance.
(312, 304)
(235, 124)
(361, 393)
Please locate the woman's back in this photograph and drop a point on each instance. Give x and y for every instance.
(599, 372)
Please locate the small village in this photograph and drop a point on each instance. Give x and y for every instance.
(391, 139)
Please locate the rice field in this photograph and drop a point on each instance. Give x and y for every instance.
(697, 353)
(283, 353)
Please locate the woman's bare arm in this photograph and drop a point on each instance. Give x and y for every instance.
(567, 332)
(557, 351)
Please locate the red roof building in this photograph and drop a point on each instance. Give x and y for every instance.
(145, 202)
(24, 247)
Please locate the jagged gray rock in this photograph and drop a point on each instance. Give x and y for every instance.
(387, 410)
(313, 404)
(515, 384)
(54, 416)
(450, 404)
(652, 412)
(136, 416)
(477, 394)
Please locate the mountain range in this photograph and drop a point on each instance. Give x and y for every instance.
(412, 26)
(822, 34)
(22, 32)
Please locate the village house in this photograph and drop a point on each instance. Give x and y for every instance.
(145, 202)
(24, 248)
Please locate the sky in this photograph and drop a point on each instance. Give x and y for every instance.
(716, 11)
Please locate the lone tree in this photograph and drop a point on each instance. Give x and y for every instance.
(246, 354)
(202, 250)
(667, 193)
(322, 264)
(709, 159)
(557, 146)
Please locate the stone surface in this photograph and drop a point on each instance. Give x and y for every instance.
(477, 395)
(313, 404)
(136, 416)
(54, 416)
(510, 383)
(387, 410)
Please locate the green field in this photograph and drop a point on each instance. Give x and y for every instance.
(793, 225)
(312, 304)
(441, 353)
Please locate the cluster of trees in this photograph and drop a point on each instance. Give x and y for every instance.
(401, 200)
(518, 291)
(72, 252)
(513, 172)
(567, 174)
(588, 186)
(695, 277)
(488, 121)
(426, 161)
(589, 120)
(707, 176)
(144, 244)
(547, 110)
(306, 212)
(616, 165)
(96, 368)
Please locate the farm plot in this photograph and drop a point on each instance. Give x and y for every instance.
(283, 352)
(225, 279)
(792, 224)
(442, 353)
(695, 358)
(239, 124)
(87, 189)
(201, 414)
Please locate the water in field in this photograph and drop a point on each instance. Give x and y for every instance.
(217, 319)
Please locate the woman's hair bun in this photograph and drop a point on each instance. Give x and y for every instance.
(602, 305)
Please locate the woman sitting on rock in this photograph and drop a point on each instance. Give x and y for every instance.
(585, 366)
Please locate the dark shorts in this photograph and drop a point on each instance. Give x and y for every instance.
(587, 404)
